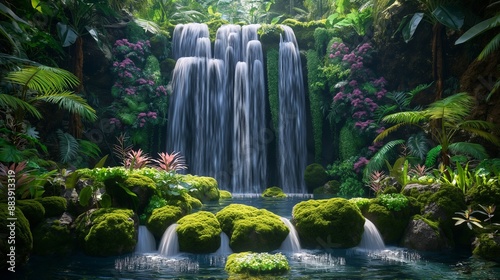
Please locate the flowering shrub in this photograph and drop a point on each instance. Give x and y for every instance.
(357, 91)
(140, 101)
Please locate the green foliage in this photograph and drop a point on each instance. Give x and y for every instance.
(350, 143)
(272, 85)
(68, 146)
(379, 159)
(52, 238)
(257, 264)
(54, 205)
(360, 21)
(322, 40)
(315, 176)
(432, 156)
(315, 100)
(344, 172)
(361, 202)
(393, 201)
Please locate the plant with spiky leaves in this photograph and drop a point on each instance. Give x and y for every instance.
(136, 160)
(170, 162)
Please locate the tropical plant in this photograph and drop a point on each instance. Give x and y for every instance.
(467, 218)
(170, 162)
(393, 201)
(136, 160)
(377, 181)
(450, 115)
(10, 30)
(121, 150)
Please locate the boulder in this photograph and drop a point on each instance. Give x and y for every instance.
(203, 188)
(54, 205)
(107, 231)
(425, 235)
(328, 223)
(162, 218)
(199, 233)
(54, 236)
(32, 210)
(487, 246)
(273, 192)
(20, 232)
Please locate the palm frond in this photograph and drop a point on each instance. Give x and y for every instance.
(73, 103)
(473, 150)
(410, 117)
(43, 78)
(453, 109)
(418, 145)
(68, 146)
(495, 88)
(415, 91)
(384, 110)
(7, 100)
(378, 160)
(485, 135)
(490, 48)
(432, 156)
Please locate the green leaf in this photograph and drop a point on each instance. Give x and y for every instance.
(68, 146)
(71, 102)
(9, 13)
(72, 179)
(101, 162)
(410, 28)
(67, 34)
(275, 20)
(106, 201)
(479, 28)
(85, 195)
(7, 100)
(450, 16)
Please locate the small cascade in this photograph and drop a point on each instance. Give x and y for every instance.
(371, 239)
(291, 242)
(169, 245)
(224, 249)
(146, 242)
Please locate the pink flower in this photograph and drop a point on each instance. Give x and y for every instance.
(362, 161)
(338, 97)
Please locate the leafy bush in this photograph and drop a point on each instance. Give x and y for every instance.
(257, 264)
(393, 201)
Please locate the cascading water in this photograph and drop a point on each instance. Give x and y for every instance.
(291, 243)
(371, 239)
(224, 249)
(146, 242)
(217, 111)
(169, 245)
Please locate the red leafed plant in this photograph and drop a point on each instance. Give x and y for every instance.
(136, 159)
(170, 162)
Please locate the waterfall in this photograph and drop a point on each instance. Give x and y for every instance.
(291, 242)
(146, 242)
(169, 245)
(217, 109)
(292, 151)
(371, 239)
(224, 249)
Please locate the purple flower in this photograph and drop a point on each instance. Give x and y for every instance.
(362, 161)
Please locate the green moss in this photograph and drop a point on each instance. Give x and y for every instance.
(52, 238)
(391, 225)
(272, 85)
(484, 195)
(162, 218)
(32, 210)
(273, 192)
(142, 186)
(304, 31)
(23, 238)
(331, 223)
(213, 26)
(316, 87)
(252, 229)
(199, 233)
(54, 205)
(349, 143)
(247, 263)
(106, 231)
(322, 39)
(315, 176)
(203, 188)
(488, 246)
(269, 35)
(152, 69)
(225, 194)
(186, 202)
(362, 203)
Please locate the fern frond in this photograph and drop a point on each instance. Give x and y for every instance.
(378, 160)
(7, 100)
(415, 91)
(73, 103)
(495, 88)
(474, 150)
(43, 78)
(490, 48)
(432, 156)
(452, 109)
(89, 148)
(418, 145)
(68, 146)
(485, 135)
(410, 117)
(384, 110)
(387, 131)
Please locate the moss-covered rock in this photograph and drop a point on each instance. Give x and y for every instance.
(54, 205)
(162, 218)
(107, 231)
(53, 236)
(225, 194)
(329, 223)
(14, 254)
(391, 224)
(199, 233)
(252, 229)
(425, 235)
(328, 190)
(32, 210)
(143, 187)
(186, 202)
(255, 264)
(304, 31)
(273, 192)
(487, 246)
(485, 195)
(203, 188)
(315, 176)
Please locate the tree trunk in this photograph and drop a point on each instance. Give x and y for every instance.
(437, 59)
(76, 121)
